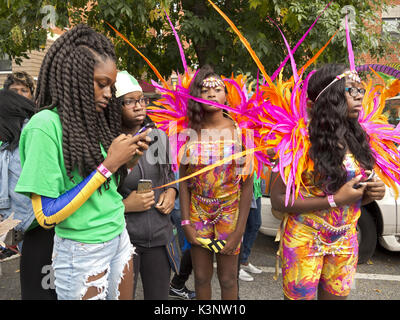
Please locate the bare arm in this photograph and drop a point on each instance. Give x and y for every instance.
(246, 196)
(244, 204)
(344, 196)
(184, 201)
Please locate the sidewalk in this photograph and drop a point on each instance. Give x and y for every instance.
(9, 280)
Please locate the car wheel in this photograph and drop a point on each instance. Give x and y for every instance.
(366, 235)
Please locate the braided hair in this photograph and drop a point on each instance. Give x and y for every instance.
(331, 131)
(66, 81)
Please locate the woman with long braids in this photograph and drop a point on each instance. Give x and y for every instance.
(73, 158)
(215, 204)
(319, 241)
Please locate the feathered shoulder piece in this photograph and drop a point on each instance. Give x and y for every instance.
(384, 138)
(281, 114)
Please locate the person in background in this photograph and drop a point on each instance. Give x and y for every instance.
(252, 226)
(15, 112)
(148, 220)
(20, 82)
(177, 288)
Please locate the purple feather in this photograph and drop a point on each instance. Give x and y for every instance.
(390, 71)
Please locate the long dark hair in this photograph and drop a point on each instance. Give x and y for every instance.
(66, 82)
(195, 111)
(14, 109)
(332, 132)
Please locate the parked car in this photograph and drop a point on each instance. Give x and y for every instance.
(379, 221)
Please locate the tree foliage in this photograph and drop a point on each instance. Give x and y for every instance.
(207, 37)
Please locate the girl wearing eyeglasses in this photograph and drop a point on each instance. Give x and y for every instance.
(147, 217)
(319, 242)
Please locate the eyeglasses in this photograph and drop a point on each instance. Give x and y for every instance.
(132, 102)
(353, 91)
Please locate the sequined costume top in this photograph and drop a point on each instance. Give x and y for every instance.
(331, 225)
(334, 216)
(219, 182)
(214, 200)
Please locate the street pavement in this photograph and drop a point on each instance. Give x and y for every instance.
(379, 279)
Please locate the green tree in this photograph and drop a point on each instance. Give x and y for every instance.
(207, 36)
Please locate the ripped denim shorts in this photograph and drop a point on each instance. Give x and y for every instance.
(74, 262)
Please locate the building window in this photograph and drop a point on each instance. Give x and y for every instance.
(5, 63)
(391, 22)
(391, 26)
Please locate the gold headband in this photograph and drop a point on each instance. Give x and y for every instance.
(213, 82)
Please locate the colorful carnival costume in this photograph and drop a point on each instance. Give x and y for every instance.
(321, 247)
(215, 194)
(277, 113)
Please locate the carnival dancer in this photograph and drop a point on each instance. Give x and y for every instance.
(319, 241)
(214, 204)
(73, 157)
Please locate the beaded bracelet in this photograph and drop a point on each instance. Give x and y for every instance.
(104, 171)
(331, 201)
(185, 222)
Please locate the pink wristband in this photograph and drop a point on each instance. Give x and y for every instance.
(185, 222)
(104, 171)
(331, 201)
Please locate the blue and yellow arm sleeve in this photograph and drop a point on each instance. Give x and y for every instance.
(51, 211)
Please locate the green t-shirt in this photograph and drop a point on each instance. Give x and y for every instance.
(257, 187)
(100, 218)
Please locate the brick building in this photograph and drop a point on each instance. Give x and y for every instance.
(31, 65)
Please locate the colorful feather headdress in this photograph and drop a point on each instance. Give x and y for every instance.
(285, 118)
(169, 113)
(277, 113)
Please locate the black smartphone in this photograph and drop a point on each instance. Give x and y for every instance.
(145, 127)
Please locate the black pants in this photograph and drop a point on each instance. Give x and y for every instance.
(179, 280)
(35, 265)
(155, 271)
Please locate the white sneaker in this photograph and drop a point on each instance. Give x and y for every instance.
(250, 268)
(243, 275)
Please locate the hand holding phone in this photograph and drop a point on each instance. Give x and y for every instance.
(144, 186)
(369, 178)
(143, 144)
(145, 127)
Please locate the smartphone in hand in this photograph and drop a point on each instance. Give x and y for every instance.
(369, 178)
(145, 127)
(144, 186)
